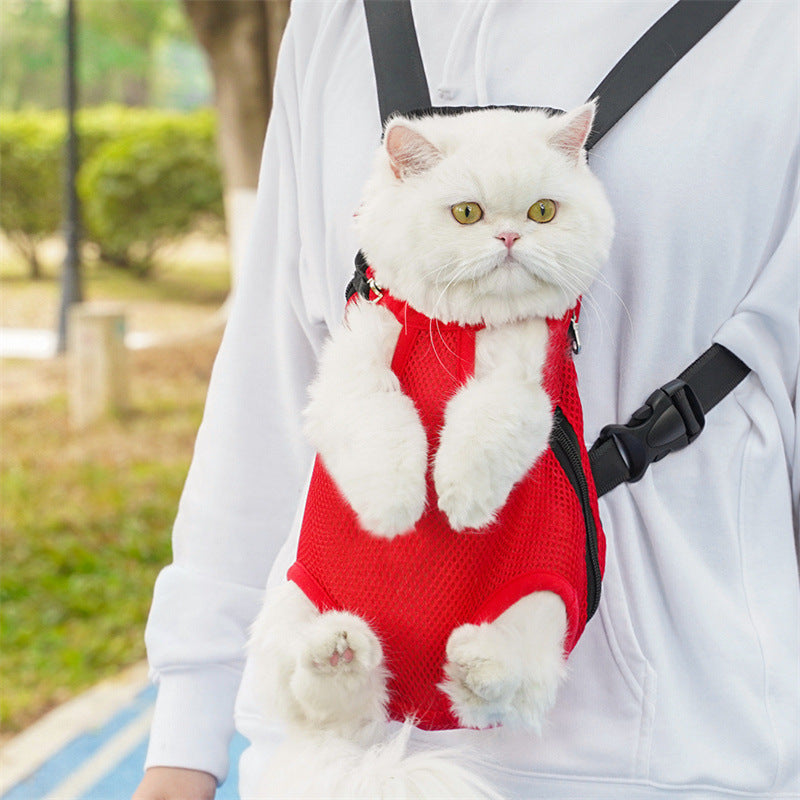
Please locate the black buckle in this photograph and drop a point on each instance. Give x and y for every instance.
(670, 419)
(358, 283)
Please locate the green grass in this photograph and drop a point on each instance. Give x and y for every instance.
(76, 586)
(87, 517)
(86, 528)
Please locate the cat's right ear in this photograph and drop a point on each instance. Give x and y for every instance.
(409, 152)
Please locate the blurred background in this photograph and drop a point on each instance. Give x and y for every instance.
(173, 99)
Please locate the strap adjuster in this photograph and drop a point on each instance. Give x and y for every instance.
(670, 419)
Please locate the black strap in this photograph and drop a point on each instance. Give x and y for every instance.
(657, 51)
(403, 87)
(399, 72)
(674, 415)
(671, 418)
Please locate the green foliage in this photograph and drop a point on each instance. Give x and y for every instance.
(32, 48)
(30, 179)
(145, 176)
(121, 46)
(153, 183)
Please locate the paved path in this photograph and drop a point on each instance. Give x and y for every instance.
(91, 759)
(38, 343)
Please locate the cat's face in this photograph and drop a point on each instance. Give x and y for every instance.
(489, 216)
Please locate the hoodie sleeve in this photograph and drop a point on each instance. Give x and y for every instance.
(765, 329)
(249, 464)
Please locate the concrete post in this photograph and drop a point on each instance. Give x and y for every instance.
(98, 373)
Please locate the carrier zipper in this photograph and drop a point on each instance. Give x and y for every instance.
(564, 443)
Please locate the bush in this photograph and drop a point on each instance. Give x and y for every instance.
(154, 182)
(31, 171)
(145, 175)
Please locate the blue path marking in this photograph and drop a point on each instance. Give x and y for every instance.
(123, 778)
(120, 784)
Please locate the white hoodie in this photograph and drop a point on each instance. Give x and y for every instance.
(687, 681)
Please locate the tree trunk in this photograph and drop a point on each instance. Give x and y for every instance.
(26, 247)
(277, 17)
(34, 268)
(241, 39)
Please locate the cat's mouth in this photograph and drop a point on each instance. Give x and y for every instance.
(506, 261)
(511, 264)
(517, 274)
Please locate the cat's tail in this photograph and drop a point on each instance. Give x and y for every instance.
(323, 766)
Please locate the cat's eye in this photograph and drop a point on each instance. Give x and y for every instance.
(467, 213)
(542, 210)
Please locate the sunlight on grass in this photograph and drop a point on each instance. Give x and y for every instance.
(87, 518)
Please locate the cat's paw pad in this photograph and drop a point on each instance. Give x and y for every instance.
(481, 685)
(339, 673)
(337, 654)
(341, 642)
(343, 652)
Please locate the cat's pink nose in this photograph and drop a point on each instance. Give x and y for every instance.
(508, 238)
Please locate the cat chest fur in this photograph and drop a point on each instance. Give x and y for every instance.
(415, 589)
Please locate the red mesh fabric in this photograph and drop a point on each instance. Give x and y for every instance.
(415, 589)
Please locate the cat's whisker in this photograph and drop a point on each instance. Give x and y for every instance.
(435, 351)
(571, 283)
(600, 279)
(455, 278)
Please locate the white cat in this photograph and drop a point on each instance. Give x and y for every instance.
(488, 218)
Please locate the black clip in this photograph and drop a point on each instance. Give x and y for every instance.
(359, 283)
(670, 419)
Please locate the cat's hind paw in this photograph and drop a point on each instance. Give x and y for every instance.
(339, 678)
(487, 685)
(480, 686)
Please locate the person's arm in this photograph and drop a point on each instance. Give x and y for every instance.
(245, 480)
(173, 783)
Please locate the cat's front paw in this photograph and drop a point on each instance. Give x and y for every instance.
(468, 491)
(494, 431)
(488, 684)
(339, 677)
(381, 466)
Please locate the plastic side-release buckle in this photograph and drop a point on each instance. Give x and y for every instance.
(670, 419)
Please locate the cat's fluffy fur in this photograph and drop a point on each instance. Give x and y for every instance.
(324, 673)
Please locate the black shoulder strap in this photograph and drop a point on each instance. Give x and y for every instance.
(674, 415)
(662, 46)
(402, 85)
(399, 71)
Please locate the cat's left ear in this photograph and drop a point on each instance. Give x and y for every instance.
(410, 153)
(573, 130)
